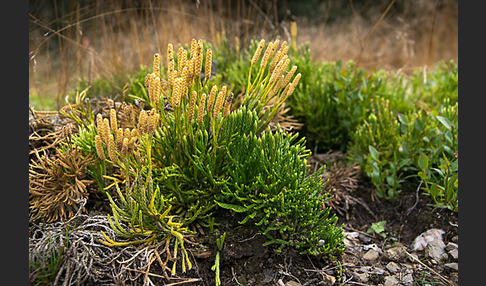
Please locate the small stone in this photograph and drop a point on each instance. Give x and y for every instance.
(421, 241)
(351, 238)
(395, 253)
(407, 279)
(453, 266)
(390, 281)
(364, 238)
(371, 270)
(454, 253)
(393, 267)
(329, 279)
(408, 266)
(371, 255)
(362, 277)
(436, 250)
(372, 246)
(450, 246)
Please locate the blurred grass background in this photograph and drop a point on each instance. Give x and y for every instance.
(73, 40)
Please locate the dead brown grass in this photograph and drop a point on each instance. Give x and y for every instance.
(422, 34)
(101, 38)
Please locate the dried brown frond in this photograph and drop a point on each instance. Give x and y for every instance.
(284, 120)
(47, 130)
(342, 180)
(127, 115)
(47, 139)
(227, 104)
(57, 184)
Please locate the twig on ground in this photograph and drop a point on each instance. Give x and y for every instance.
(432, 270)
(249, 238)
(353, 282)
(359, 231)
(234, 276)
(416, 199)
(361, 202)
(186, 280)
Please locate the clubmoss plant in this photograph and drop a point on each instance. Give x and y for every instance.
(143, 216)
(215, 267)
(275, 191)
(177, 162)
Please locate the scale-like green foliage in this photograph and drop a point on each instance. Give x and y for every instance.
(201, 150)
(274, 189)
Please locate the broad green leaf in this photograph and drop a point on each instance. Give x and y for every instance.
(404, 163)
(418, 125)
(374, 153)
(379, 193)
(434, 191)
(444, 121)
(423, 161)
(377, 227)
(375, 177)
(441, 170)
(390, 180)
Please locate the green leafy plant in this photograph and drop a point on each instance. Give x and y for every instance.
(378, 228)
(331, 102)
(376, 146)
(388, 145)
(441, 182)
